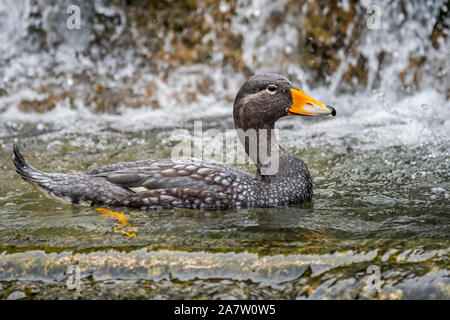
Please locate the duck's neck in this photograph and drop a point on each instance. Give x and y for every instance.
(262, 146)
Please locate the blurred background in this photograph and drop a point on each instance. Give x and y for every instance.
(158, 53)
(115, 88)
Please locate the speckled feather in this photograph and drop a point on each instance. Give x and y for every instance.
(190, 183)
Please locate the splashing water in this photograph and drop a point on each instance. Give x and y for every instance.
(116, 89)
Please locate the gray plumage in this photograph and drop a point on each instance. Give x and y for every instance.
(193, 183)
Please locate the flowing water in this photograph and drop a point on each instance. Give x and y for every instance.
(380, 167)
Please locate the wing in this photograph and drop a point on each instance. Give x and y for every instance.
(193, 174)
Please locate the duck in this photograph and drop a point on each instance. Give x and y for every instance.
(281, 178)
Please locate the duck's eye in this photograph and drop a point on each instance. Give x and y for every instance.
(271, 89)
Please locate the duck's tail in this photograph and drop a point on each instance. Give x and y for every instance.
(76, 187)
(24, 169)
(46, 183)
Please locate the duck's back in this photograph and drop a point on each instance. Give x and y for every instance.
(187, 183)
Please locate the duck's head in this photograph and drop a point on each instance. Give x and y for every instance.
(265, 98)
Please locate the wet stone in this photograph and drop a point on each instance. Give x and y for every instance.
(16, 295)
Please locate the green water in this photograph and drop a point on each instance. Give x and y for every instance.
(380, 167)
(374, 207)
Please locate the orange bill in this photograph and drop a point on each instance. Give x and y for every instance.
(303, 105)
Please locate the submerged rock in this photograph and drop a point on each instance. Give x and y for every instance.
(16, 295)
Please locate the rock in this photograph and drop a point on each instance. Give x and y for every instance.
(128, 51)
(16, 295)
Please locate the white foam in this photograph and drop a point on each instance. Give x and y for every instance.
(379, 115)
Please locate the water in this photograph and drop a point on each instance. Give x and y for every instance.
(380, 168)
